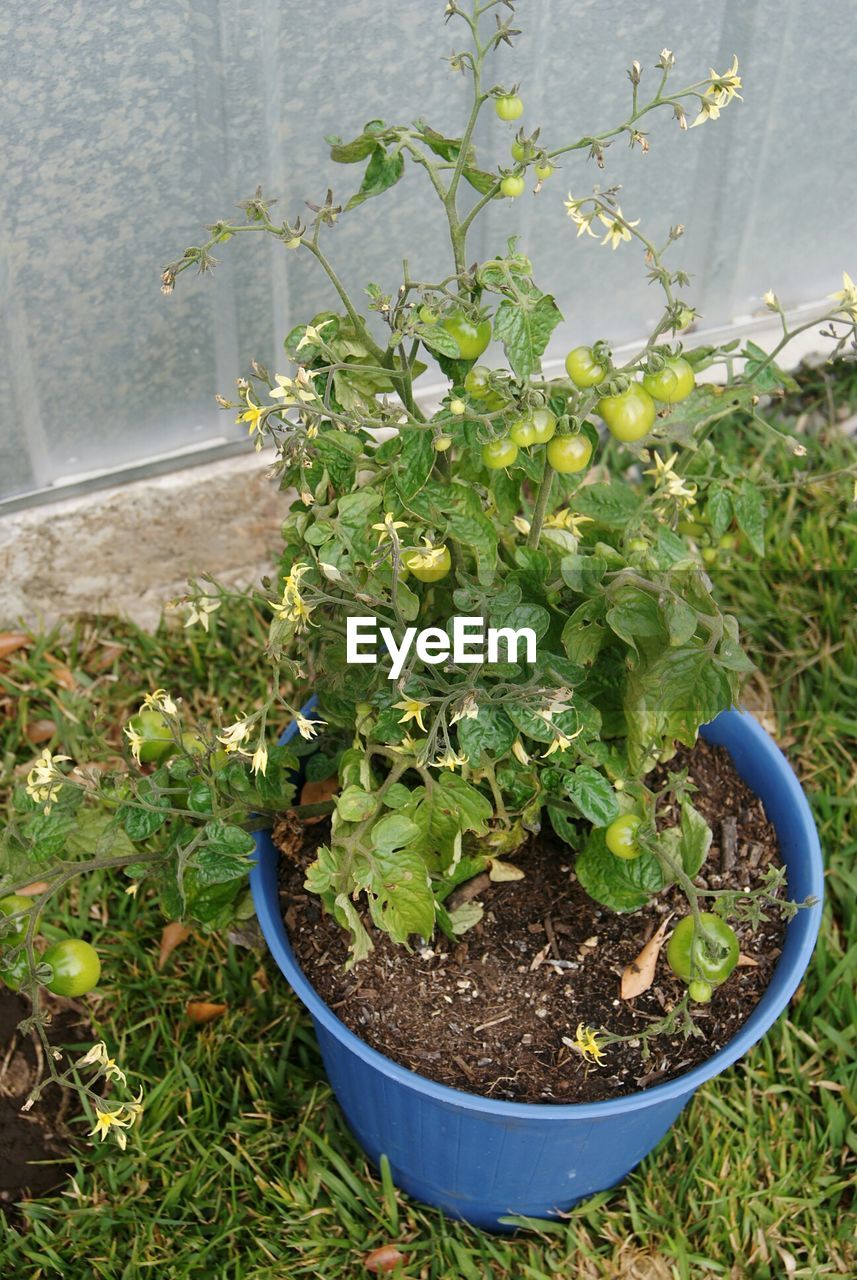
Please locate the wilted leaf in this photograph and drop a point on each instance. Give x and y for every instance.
(202, 1011)
(639, 975)
(62, 674)
(12, 640)
(318, 792)
(500, 871)
(33, 890)
(747, 962)
(385, 1258)
(172, 936)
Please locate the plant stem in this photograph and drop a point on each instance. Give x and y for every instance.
(541, 506)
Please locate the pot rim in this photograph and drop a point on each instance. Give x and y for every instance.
(263, 883)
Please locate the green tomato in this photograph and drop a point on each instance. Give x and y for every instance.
(497, 454)
(11, 905)
(476, 381)
(709, 555)
(638, 544)
(458, 407)
(158, 741)
(544, 171)
(15, 972)
(583, 369)
(568, 454)
(513, 185)
(728, 542)
(441, 443)
(544, 425)
(427, 315)
(519, 151)
(523, 432)
(629, 416)
(433, 572)
(710, 956)
(691, 528)
(700, 991)
(76, 967)
(621, 836)
(472, 338)
(509, 106)
(672, 383)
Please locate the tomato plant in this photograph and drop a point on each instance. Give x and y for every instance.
(709, 953)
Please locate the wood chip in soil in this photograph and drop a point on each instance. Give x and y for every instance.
(488, 1014)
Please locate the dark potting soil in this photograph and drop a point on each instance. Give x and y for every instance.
(30, 1137)
(488, 1014)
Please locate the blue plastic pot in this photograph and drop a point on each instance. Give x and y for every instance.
(480, 1159)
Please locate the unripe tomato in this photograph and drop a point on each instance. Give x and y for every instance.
(728, 542)
(544, 425)
(523, 432)
(629, 416)
(583, 369)
(509, 106)
(427, 315)
(672, 383)
(512, 185)
(458, 407)
(76, 967)
(476, 381)
(700, 991)
(158, 741)
(568, 454)
(472, 338)
(441, 443)
(497, 454)
(621, 836)
(544, 170)
(10, 906)
(438, 568)
(519, 151)
(710, 956)
(691, 528)
(709, 555)
(638, 544)
(13, 973)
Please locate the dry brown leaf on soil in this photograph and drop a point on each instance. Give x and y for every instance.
(386, 1258)
(639, 975)
(201, 1011)
(317, 792)
(40, 731)
(10, 641)
(62, 674)
(747, 962)
(172, 936)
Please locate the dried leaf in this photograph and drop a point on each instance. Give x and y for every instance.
(40, 731)
(12, 640)
(172, 936)
(62, 673)
(639, 975)
(200, 1011)
(317, 792)
(33, 890)
(500, 871)
(386, 1258)
(747, 962)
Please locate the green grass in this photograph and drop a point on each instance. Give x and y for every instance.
(243, 1168)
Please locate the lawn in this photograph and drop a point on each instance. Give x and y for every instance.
(242, 1166)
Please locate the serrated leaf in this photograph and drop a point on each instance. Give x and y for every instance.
(610, 505)
(524, 328)
(592, 793)
(718, 508)
(382, 172)
(681, 620)
(480, 179)
(354, 804)
(415, 462)
(582, 574)
(490, 734)
(438, 340)
(750, 514)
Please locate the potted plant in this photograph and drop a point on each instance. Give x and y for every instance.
(502, 606)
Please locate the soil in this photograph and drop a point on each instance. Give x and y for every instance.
(488, 1014)
(28, 1138)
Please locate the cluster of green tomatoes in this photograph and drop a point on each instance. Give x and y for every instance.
(74, 964)
(701, 953)
(628, 415)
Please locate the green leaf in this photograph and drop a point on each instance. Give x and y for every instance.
(382, 172)
(477, 534)
(339, 452)
(718, 508)
(681, 620)
(446, 148)
(480, 179)
(582, 573)
(764, 373)
(349, 917)
(436, 338)
(622, 884)
(750, 514)
(584, 632)
(139, 824)
(354, 804)
(634, 614)
(524, 328)
(491, 734)
(520, 616)
(416, 459)
(398, 796)
(360, 147)
(593, 794)
(695, 839)
(563, 826)
(400, 896)
(393, 831)
(611, 505)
